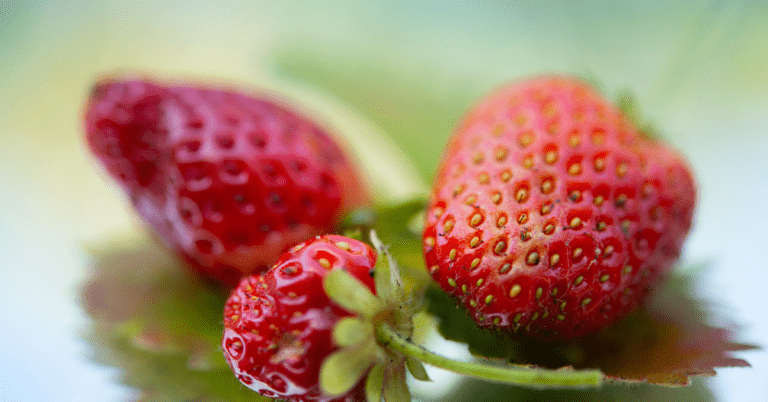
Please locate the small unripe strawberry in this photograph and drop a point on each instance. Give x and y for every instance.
(551, 213)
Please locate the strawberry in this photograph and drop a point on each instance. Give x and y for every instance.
(551, 214)
(228, 179)
(278, 326)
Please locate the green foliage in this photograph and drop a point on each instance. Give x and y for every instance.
(482, 391)
(397, 226)
(665, 342)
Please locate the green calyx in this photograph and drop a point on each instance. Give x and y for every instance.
(359, 351)
(377, 342)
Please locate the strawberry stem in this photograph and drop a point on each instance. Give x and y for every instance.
(388, 338)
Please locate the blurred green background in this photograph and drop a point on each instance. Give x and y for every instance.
(394, 77)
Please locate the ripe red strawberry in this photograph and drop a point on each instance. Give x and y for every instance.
(278, 326)
(228, 179)
(551, 213)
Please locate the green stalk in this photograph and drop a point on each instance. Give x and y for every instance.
(388, 338)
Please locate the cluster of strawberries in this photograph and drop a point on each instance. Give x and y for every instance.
(551, 216)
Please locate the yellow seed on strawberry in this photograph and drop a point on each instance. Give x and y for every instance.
(515, 290)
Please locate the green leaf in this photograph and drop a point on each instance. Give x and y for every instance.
(389, 283)
(359, 217)
(417, 369)
(343, 369)
(665, 342)
(468, 389)
(351, 294)
(393, 225)
(383, 277)
(351, 331)
(375, 383)
(456, 325)
(395, 387)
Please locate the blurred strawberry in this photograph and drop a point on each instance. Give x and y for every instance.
(228, 179)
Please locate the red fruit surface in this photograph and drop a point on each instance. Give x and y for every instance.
(278, 326)
(228, 179)
(551, 214)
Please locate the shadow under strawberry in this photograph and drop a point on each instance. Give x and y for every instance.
(158, 324)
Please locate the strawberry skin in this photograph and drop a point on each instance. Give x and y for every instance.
(278, 326)
(228, 179)
(551, 215)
